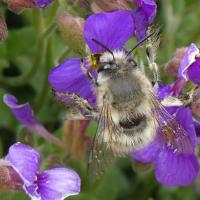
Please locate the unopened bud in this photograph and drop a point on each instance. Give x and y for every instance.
(17, 6)
(72, 31)
(196, 102)
(9, 178)
(173, 64)
(75, 139)
(3, 28)
(107, 6)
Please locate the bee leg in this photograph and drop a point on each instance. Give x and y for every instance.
(151, 48)
(81, 104)
(152, 64)
(87, 73)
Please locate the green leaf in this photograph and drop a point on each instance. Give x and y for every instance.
(20, 42)
(13, 195)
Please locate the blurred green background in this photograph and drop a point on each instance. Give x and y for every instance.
(34, 45)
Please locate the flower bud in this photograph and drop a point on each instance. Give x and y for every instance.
(17, 6)
(196, 102)
(106, 6)
(9, 178)
(72, 31)
(75, 139)
(3, 28)
(173, 64)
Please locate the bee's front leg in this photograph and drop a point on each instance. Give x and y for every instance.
(76, 103)
(87, 73)
(152, 65)
(151, 50)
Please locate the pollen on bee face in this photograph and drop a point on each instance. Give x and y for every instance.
(94, 60)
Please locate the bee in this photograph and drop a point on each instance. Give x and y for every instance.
(128, 113)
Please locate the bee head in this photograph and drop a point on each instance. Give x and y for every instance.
(113, 63)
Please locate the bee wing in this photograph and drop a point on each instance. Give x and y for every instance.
(102, 153)
(174, 134)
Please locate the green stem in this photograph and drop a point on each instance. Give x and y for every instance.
(38, 20)
(45, 88)
(42, 36)
(40, 46)
(63, 4)
(24, 78)
(172, 23)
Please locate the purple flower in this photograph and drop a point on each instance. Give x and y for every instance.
(24, 115)
(197, 129)
(42, 3)
(52, 184)
(188, 59)
(69, 76)
(189, 69)
(174, 89)
(194, 72)
(173, 166)
(143, 16)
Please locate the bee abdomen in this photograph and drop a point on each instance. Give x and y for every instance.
(134, 124)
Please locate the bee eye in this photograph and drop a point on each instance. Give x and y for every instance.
(107, 66)
(133, 63)
(103, 67)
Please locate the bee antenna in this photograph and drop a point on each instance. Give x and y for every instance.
(104, 46)
(140, 42)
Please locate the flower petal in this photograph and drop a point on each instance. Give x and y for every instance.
(197, 129)
(187, 60)
(194, 71)
(163, 90)
(149, 152)
(140, 22)
(111, 29)
(143, 16)
(149, 7)
(58, 183)
(174, 169)
(174, 89)
(177, 87)
(184, 117)
(68, 77)
(22, 112)
(25, 160)
(24, 115)
(179, 133)
(42, 3)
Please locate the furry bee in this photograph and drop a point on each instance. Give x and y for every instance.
(128, 113)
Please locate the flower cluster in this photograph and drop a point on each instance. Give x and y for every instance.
(23, 162)
(172, 166)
